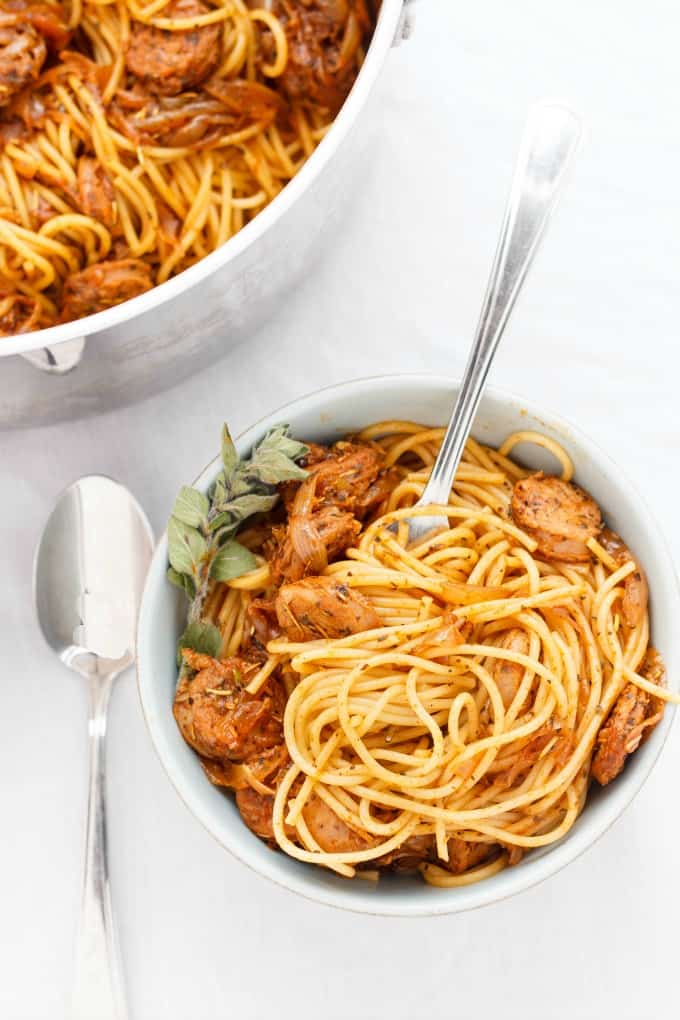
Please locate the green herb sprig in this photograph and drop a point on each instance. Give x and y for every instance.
(201, 529)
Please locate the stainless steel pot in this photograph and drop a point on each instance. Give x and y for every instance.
(155, 340)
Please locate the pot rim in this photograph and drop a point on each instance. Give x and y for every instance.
(383, 37)
(538, 867)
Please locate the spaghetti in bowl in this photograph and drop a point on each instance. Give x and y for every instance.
(352, 684)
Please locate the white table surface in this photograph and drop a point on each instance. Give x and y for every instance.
(595, 338)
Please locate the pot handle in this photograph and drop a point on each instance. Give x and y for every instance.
(57, 360)
(406, 23)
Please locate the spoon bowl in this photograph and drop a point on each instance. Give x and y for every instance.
(89, 574)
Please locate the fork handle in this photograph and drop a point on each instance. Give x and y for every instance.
(550, 139)
(98, 992)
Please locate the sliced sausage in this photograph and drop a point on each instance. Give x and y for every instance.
(558, 515)
(323, 607)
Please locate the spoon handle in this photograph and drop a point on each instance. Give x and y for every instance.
(550, 139)
(98, 992)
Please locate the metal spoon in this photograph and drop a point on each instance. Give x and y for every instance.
(89, 573)
(550, 139)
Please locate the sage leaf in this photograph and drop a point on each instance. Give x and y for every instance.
(223, 523)
(182, 581)
(201, 530)
(175, 578)
(191, 507)
(229, 454)
(272, 460)
(218, 493)
(203, 637)
(240, 483)
(231, 560)
(274, 467)
(253, 503)
(279, 438)
(186, 547)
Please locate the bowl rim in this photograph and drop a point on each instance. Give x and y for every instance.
(383, 36)
(433, 902)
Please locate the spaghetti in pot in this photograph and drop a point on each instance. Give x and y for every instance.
(462, 727)
(137, 138)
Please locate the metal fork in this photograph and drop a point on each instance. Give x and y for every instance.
(550, 139)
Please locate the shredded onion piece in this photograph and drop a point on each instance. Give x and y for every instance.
(307, 543)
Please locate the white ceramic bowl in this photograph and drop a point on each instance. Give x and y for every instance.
(326, 416)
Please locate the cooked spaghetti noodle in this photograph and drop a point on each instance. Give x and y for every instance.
(461, 729)
(137, 138)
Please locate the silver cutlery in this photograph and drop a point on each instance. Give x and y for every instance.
(551, 136)
(89, 573)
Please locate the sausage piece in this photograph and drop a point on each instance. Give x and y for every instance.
(412, 852)
(325, 38)
(634, 715)
(218, 718)
(22, 54)
(323, 607)
(558, 515)
(508, 675)
(20, 314)
(256, 810)
(96, 196)
(464, 855)
(635, 589)
(344, 483)
(170, 62)
(331, 833)
(103, 285)
(328, 532)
